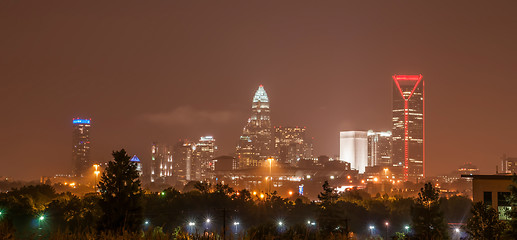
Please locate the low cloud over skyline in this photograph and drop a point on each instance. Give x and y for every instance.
(188, 116)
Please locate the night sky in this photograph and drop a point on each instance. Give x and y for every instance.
(149, 71)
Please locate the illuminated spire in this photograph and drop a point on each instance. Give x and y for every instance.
(260, 95)
(255, 144)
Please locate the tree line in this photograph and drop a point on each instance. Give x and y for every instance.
(123, 210)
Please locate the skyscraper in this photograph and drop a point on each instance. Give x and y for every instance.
(161, 163)
(408, 125)
(81, 146)
(184, 168)
(204, 152)
(138, 164)
(379, 148)
(353, 148)
(292, 144)
(256, 142)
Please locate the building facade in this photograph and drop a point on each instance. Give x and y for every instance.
(353, 148)
(256, 142)
(509, 164)
(81, 146)
(493, 191)
(184, 167)
(161, 163)
(204, 152)
(379, 148)
(292, 144)
(408, 125)
(137, 163)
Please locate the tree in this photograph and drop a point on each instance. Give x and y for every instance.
(512, 231)
(203, 187)
(328, 196)
(428, 220)
(121, 193)
(484, 223)
(332, 218)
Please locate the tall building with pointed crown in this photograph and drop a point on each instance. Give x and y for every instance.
(408, 125)
(256, 142)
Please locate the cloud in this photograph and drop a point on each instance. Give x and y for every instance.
(186, 115)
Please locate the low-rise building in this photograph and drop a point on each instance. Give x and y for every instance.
(493, 191)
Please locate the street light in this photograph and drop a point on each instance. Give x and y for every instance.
(371, 230)
(270, 177)
(407, 228)
(387, 225)
(40, 219)
(96, 172)
(236, 224)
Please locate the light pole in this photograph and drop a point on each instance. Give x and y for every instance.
(207, 223)
(40, 219)
(407, 229)
(371, 230)
(270, 177)
(236, 224)
(387, 225)
(192, 226)
(96, 172)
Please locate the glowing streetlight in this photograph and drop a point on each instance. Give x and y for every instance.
(457, 230)
(387, 225)
(207, 220)
(261, 196)
(406, 228)
(96, 172)
(270, 175)
(371, 230)
(280, 223)
(236, 224)
(41, 218)
(192, 224)
(290, 193)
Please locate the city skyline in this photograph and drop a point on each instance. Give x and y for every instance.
(329, 72)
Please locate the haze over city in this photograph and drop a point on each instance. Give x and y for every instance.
(162, 71)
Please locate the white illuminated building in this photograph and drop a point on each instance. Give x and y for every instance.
(353, 148)
(379, 148)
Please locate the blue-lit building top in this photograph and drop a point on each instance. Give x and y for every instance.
(81, 121)
(81, 146)
(136, 160)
